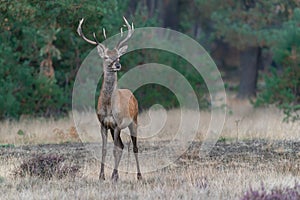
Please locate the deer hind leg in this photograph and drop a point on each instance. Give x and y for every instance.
(104, 150)
(133, 133)
(118, 150)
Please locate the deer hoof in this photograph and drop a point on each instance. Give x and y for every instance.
(101, 177)
(115, 176)
(139, 176)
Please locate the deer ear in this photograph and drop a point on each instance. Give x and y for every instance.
(122, 50)
(101, 51)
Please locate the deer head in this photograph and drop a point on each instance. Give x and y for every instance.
(110, 57)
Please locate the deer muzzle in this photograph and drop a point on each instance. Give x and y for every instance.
(117, 66)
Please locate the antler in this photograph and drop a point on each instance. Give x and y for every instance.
(80, 33)
(129, 34)
(96, 42)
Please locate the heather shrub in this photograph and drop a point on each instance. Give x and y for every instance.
(280, 193)
(46, 167)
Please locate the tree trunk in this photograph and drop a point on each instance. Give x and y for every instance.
(249, 71)
(171, 14)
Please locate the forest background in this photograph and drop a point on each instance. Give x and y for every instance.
(254, 43)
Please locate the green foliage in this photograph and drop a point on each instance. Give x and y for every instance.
(269, 24)
(244, 23)
(6, 146)
(23, 91)
(283, 88)
(34, 31)
(37, 33)
(151, 94)
(21, 132)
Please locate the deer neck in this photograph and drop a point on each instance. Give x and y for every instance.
(109, 86)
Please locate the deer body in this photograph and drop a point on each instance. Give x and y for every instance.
(117, 108)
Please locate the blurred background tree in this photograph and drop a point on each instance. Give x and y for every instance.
(254, 43)
(282, 87)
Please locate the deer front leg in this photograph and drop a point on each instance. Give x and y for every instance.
(118, 150)
(133, 133)
(104, 150)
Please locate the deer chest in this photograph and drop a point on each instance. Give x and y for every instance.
(106, 118)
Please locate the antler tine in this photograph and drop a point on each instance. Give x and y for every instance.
(126, 22)
(104, 33)
(95, 38)
(129, 34)
(121, 29)
(80, 33)
(98, 43)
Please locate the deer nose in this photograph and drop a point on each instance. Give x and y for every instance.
(118, 66)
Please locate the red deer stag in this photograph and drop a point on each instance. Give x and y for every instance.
(117, 108)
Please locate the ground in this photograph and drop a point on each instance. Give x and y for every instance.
(231, 168)
(255, 148)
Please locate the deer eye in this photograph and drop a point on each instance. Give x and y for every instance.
(106, 57)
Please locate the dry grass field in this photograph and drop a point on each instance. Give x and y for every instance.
(255, 147)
